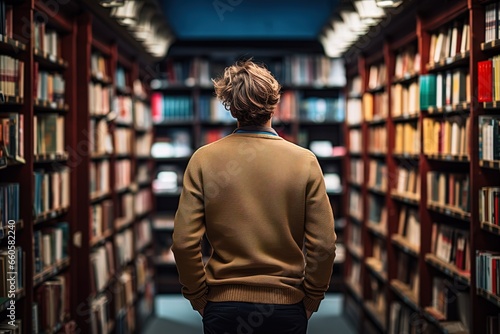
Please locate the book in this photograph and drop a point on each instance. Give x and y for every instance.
(99, 67)
(356, 170)
(50, 89)
(123, 138)
(484, 81)
(449, 190)
(11, 76)
(452, 246)
(407, 138)
(377, 139)
(99, 98)
(49, 134)
(101, 218)
(123, 174)
(489, 138)
(377, 177)
(51, 190)
(12, 138)
(167, 108)
(448, 137)
(143, 202)
(99, 178)
(489, 205)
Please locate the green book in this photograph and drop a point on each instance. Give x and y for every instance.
(427, 91)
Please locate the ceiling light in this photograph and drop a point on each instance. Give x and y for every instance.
(127, 14)
(368, 11)
(112, 3)
(389, 3)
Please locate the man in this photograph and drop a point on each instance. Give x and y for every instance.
(263, 205)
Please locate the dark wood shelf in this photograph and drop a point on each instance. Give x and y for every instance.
(377, 191)
(11, 46)
(377, 155)
(447, 268)
(101, 239)
(122, 224)
(406, 78)
(123, 91)
(377, 230)
(50, 158)
(354, 125)
(100, 196)
(404, 245)
(50, 271)
(50, 215)
(491, 106)
(355, 291)
(103, 80)
(377, 318)
(172, 159)
(355, 220)
(380, 275)
(355, 96)
(122, 124)
(6, 162)
(6, 100)
(167, 193)
(123, 190)
(406, 156)
(141, 130)
(495, 300)
(332, 158)
(405, 293)
(375, 90)
(354, 185)
(144, 157)
(100, 156)
(490, 164)
(356, 252)
(414, 117)
(50, 107)
(123, 156)
(175, 122)
(46, 60)
(491, 46)
(491, 228)
(457, 109)
(448, 158)
(449, 211)
(461, 59)
(405, 198)
(376, 122)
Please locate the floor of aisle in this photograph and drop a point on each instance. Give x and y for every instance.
(174, 315)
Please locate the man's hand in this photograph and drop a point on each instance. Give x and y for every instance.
(201, 312)
(308, 314)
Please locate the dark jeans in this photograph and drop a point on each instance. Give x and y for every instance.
(248, 318)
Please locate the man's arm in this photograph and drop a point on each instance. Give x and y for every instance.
(320, 239)
(189, 228)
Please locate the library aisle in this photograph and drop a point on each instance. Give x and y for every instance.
(104, 102)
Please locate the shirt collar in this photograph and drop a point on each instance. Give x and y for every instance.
(256, 129)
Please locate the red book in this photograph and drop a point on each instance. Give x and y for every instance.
(157, 107)
(484, 81)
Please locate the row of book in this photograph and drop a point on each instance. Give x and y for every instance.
(12, 136)
(452, 246)
(121, 78)
(489, 205)
(143, 235)
(492, 22)
(489, 138)
(355, 141)
(143, 143)
(212, 110)
(174, 143)
(11, 76)
(123, 174)
(126, 209)
(405, 99)
(100, 140)
(407, 138)
(318, 109)
(488, 88)
(46, 40)
(171, 108)
(143, 118)
(377, 177)
(354, 111)
(51, 306)
(50, 246)
(310, 70)
(51, 190)
(6, 19)
(487, 271)
(407, 63)
(122, 106)
(445, 89)
(50, 88)
(101, 218)
(99, 99)
(9, 203)
(375, 106)
(446, 137)
(99, 178)
(143, 201)
(124, 247)
(409, 226)
(99, 67)
(450, 41)
(450, 304)
(48, 134)
(407, 278)
(449, 189)
(377, 140)
(407, 182)
(143, 174)
(6, 267)
(377, 212)
(123, 138)
(356, 171)
(355, 203)
(377, 76)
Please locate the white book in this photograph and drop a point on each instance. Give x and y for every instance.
(454, 41)
(439, 90)
(455, 139)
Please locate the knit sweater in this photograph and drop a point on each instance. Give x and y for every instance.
(263, 205)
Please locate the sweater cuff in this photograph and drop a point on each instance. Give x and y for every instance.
(199, 303)
(311, 304)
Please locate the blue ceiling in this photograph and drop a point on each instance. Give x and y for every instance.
(248, 19)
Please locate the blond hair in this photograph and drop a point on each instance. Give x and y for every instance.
(249, 91)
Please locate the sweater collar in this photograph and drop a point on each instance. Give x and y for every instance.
(256, 129)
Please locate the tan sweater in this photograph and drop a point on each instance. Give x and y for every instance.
(260, 199)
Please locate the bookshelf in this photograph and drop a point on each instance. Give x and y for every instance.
(186, 115)
(115, 193)
(441, 171)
